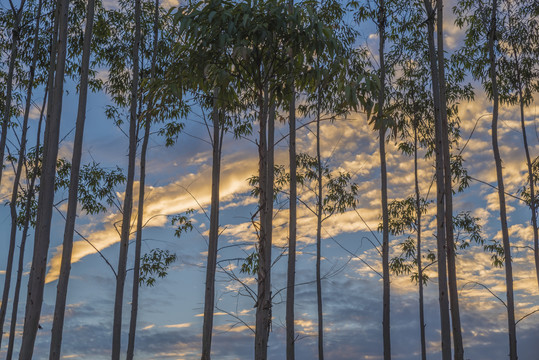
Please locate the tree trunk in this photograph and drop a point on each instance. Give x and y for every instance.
(418, 254)
(140, 210)
(21, 161)
(26, 226)
(440, 205)
(22, 153)
(36, 281)
(501, 188)
(533, 205)
(128, 200)
(209, 298)
(383, 170)
(451, 263)
(292, 222)
(7, 111)
(319, 235)
(263, 303)
(67, 247)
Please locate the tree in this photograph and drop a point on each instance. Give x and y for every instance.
(482, 40)
(128, 199)
(441, 225)
(46, 195)
(518, 75)
(142, 183)
(67, 247)
(22, 147)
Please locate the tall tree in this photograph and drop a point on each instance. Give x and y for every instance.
(380, 118)
(441, 225)
(292, 217)
(67, 247)
(492, 30)
(36, 280)
(448, 189)
(483, 36)
(142, 183)
(128, 199)
(22, 147)
(519, 80)
(6, 116)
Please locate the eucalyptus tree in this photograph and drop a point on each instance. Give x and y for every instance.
(253, 41)
(443, 188)
(202, 69)
(334, 193)
(36, 280)
(17, 14)
(67, 247)
(292, 209)
(484, 33)
(128, 199)
(519, 81)
(22, 147)
(325, 88)
(381, 13)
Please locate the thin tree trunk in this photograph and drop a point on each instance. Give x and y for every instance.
(319, 234)
(263, 304)
(209, 298)
(128, 200)
(140, 211)
(501, 188)
(26, 226)
(36, 281)
(418, 255)
(22, 153)
(440, 205)
(383, 169)
(67, 247)
(533, 205)
(138, 243)
(292, 222)
(451, 261)
(7, 111)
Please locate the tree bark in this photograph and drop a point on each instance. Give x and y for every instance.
(440, 192)
(418, 255)
(209, 298)
(7, 111)
(383, 169)
(36, 280)
(22, 153)
(451, 261)
(501, 188)
(128, 200)
(292, 222)
(140, 210)
(67, 247)
(26, 226)
(263, 304)
(533, 205)
(319, 234)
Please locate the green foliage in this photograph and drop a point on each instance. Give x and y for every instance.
(340, 193)
(497, 253)
(250, 265)
(96, 183)
(467, 230)
(183, 222)
(155, 264)
(403, 215)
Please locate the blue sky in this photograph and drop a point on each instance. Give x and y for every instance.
(170, 324)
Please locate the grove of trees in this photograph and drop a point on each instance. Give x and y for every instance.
(332, 179)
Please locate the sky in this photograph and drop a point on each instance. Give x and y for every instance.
(179, 178)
